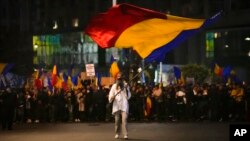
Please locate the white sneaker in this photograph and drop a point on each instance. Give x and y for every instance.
(116, 136)
(125, 137)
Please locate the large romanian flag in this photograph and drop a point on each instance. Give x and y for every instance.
(151, 34)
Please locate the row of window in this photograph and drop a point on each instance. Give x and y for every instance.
(234, 43)
(79, 48)
(72, 48)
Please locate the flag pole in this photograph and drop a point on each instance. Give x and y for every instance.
(138, 73)
(114, 2)
(143, 75)
(160, 74)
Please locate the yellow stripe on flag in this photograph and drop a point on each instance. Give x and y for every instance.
(148, 35)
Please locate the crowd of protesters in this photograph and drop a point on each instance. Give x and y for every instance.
(215, 102)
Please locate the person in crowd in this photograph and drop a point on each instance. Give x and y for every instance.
(69, 105)
(20, 106)
(247, 96)
(59, 104)
(98, 104)
(170, 103)
(119, 94)
(88, 102)
(223, 102)
(181, 102)
(42, 104)
(132, 103)
(215, 108)
(139, 103)
(108, 108)
(80, 106)
(148, 103)
(204, 109)
(9, 103)
(1, 101)
(197, 93)
(237, 95)
(190, 101)
(27, 106)
(157, 95)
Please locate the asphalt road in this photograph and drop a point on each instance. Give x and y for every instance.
(198, 131)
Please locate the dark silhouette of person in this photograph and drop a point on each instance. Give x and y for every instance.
(9, 102)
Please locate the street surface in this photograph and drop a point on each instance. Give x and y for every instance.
(196, 131)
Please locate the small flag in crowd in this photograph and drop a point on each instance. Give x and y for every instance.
(226, 71)
(114, 69)
(54, 76)
(5, 68)
(177, 72)
(218, 70)
(148, 107)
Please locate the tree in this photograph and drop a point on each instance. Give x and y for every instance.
(198, 72)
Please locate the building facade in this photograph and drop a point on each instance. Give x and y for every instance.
(226, 43)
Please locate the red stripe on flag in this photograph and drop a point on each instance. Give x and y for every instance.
(105, 28)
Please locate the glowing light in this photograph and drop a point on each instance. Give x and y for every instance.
(55, 25)
(215, 35)
(139, 69)
(75, 22)
(35, 46)
(247, 39)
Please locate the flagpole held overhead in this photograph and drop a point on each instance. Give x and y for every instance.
(114, 2)
(115, 50)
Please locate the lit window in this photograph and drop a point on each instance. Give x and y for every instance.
(65, 49)
(210, 45)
